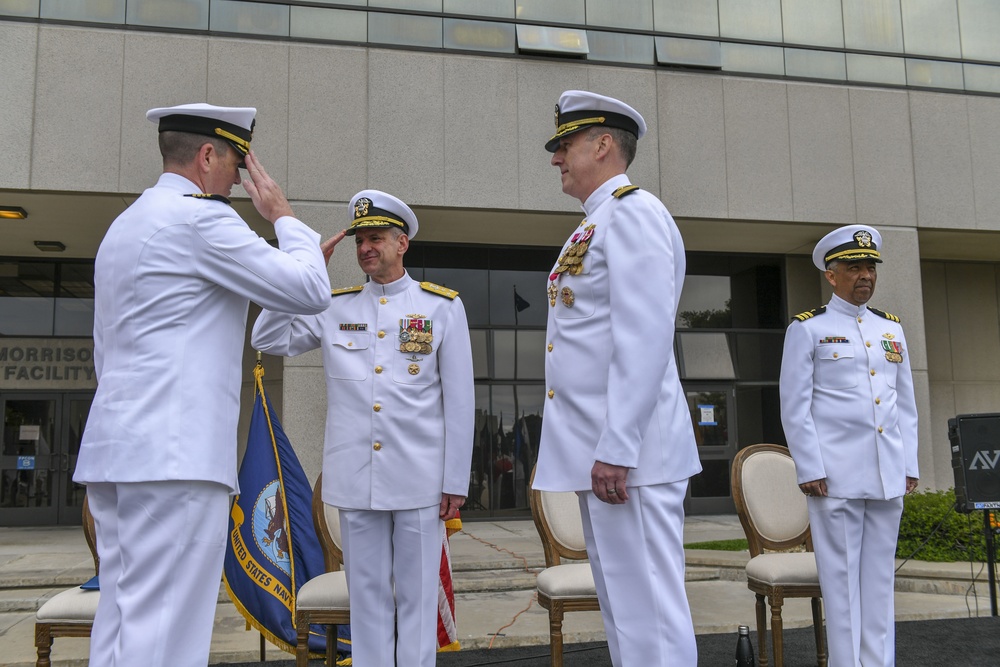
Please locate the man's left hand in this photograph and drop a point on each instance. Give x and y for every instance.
(450, 504)
(608, 482)
(911, 484)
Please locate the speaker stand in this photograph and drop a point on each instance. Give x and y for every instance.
(990, 560)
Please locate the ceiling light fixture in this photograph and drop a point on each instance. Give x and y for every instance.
(13, 213)
(50, 246)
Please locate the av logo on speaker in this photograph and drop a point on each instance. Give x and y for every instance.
(983, 461)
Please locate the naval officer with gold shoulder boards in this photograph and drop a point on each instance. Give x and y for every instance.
(850, 419)
(616, 428)
(399, 429)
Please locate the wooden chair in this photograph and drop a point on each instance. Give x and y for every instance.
(562, 587)
(773, 512)
(323, 600)
(71, 612)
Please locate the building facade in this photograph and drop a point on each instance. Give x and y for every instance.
(770, 123)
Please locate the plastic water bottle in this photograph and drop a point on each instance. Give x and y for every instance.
(744, 650)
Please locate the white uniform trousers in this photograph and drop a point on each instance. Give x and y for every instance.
(855, 544)
(161, 545)
(636, 552)
(393, 561)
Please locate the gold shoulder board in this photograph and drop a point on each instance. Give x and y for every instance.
(882, 313)
(624, 190)
(439, 290)
(205, 195)
(347, 290)
(802, 317)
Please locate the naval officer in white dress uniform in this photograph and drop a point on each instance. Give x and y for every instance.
(617, 428)
(850, 419)
(173, 279)
(399, 430)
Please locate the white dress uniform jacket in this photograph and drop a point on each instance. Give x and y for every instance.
(847, 403)
(173, 278)
(399, 424)
(614, 394)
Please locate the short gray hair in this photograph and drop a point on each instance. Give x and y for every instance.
(626, 142)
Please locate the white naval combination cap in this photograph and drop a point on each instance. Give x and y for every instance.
(848, 244)
(579, 109)
(374, 208)
(234, 124)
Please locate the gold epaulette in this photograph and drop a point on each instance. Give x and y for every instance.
(624, 190)
(439, 290)
(205, 195)
(882, 313)
(347, 290)
(802, 317)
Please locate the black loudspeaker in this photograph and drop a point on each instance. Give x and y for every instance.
(975, 460)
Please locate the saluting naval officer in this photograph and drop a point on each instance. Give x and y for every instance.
(399, 430)
(850, 419)
(617, 429)
(173, 279)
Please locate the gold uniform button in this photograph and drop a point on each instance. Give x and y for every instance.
(859, 320)
(878, 401)
(835, 355)
(377, 446)
(867, 344)
(384, 301)
(552, 393)
(872, 371)
(378, 369)
(550, 347)
(381, 334)
(350, 343)
(879, 429)
(377, 407)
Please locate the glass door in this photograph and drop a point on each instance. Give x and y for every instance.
(38, 451)
(713, 418)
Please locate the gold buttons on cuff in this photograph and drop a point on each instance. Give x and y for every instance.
(878, 401)
(550, 347)
(552, 393)
(378, 369)
(381, 334)
(377, 446)
(377, 407)
(872, 371)
(384, 301)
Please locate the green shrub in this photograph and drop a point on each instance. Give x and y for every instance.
(960, 537)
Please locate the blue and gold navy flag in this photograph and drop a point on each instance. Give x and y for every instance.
(273, 548)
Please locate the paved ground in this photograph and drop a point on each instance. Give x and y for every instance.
(494, 566)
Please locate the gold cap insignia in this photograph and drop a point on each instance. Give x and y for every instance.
(361, 207)
(864, 239)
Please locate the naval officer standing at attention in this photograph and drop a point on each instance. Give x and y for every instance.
(399, 429)
(850, 419)
(617, 428)
(173, 279)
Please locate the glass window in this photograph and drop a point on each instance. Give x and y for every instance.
(705, 303)
(473, 290)
(508, 428)
(688, 52)
(27, 290)
(185, 14)
(518, 298)
(705, 356)
(983, 78)
(876, 69)
(419, 5)
(713, 481)
(636, 14)
(979, 20)
(503, 9)
(251, 18)
(620, 47)
(405, 30)
(812, 22)
(873, 25)
(101, 11)
(479, 36)
(334, 24)
(930, 28)
(554, 11)
(709, 415)
(750, 19)
(758, 355)
(815, 64)
(691, 17)
(543, 39)
(27, 8)
(74, 309)
(527, 347)
(758, 415)
(934, 74)
(753, 59)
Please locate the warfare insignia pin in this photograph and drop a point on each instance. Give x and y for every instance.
(568, 298)
(888, 335)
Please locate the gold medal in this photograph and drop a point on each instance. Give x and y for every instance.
(552, 292)
(425, 348)
(402, 347)
(894, 357)
(576, 269)
(413, 369)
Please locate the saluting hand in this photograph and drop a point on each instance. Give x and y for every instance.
(266, 195)
(328, 245)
